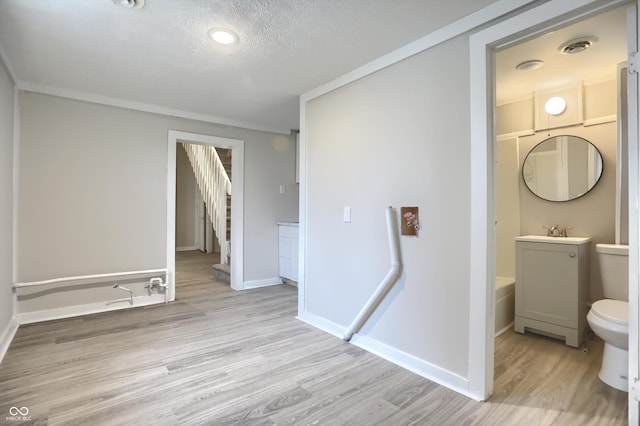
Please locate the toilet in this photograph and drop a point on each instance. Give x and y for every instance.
(609, 318)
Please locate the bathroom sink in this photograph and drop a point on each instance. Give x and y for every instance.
(558, 240)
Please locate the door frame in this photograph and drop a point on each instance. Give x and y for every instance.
(199, 237)
(237, 203)
(483, 45)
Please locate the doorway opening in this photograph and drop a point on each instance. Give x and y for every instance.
(557, 171)
(484, 45)
(236, 148)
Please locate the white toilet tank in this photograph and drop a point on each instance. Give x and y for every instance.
(614, 270)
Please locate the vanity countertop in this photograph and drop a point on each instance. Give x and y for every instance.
(557, 240)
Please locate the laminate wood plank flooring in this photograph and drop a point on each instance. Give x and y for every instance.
(220, 357)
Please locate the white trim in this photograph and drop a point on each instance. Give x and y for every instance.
(7, 337)
(416, 365)
(482, 265)
(237, 203)
(187, 248)
(600, 120)
(461, 26)
(16, 190)
(87, 309)
(261, 283)
(621, 136)
(302, 209)
(410, 362)
(633, 153)
(523, 98)
(322, 323)
(66, 280)
(513, 135)
(603, 79)
(508, 327)
(141, 106)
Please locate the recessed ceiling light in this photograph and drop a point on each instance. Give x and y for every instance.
(577, 45)
(130, 4)
(531, 65)
(223, 36)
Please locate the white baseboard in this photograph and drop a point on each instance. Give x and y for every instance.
(416, 365)
(91, 308)
(7, 336)
(323, 324)
(188, 248)
(505, 329)
(261, 283)
(423, 368)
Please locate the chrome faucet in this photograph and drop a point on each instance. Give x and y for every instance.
(556, 231)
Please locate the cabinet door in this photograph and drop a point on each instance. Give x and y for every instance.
(293, 248)
(547, 282)
(288, 252)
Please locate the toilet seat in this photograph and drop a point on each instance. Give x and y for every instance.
(616, 311)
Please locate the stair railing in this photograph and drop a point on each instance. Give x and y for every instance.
(214, 184)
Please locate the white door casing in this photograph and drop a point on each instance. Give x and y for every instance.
(237, 202)
(634, 217)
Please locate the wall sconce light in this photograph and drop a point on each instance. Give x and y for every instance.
(555, 105)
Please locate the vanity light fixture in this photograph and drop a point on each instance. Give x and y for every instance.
(555, 105)
(531, 65)
(223, 36)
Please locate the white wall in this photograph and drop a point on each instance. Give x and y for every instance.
(93, 193)
(397, 137)
(185, 200)
(6, 205)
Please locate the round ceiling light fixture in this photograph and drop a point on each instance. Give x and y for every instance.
(130, 4)
(531, 65)
(223, 36)
(555, 105)
(577, 45)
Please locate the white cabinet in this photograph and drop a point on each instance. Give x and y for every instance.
(552, 286)
(288, 250)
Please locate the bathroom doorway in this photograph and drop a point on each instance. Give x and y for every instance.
(595, 214)
(536, 23)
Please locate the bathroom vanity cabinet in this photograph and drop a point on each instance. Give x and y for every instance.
(288, 250)
(552, 286)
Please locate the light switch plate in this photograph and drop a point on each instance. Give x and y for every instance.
(347, 214)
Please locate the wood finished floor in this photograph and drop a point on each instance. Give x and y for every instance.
(220, 357)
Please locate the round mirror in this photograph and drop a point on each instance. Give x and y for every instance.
(562, 168)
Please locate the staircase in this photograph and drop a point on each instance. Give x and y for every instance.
(222, 271)
(225, 157)
(215, 186)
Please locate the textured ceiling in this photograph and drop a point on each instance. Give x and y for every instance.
(161, 55)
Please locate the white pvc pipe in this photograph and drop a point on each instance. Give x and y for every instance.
(386, 284)
(90, 277)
